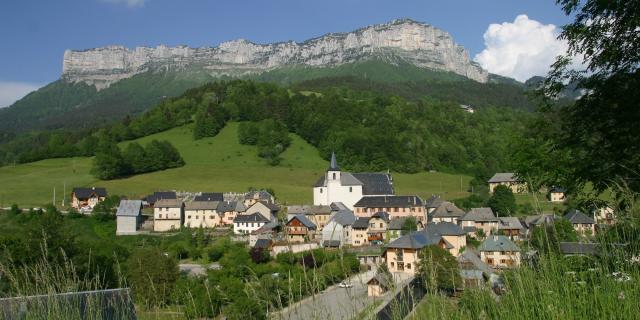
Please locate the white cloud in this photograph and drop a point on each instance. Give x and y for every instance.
(128, 3)
(11, 92)
(520, 49)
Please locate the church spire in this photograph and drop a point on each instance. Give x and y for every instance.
(334, 163)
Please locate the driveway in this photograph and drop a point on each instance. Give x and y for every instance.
(334, 303)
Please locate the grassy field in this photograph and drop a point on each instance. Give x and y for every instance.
(212, 164)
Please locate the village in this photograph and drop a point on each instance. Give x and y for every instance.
(360, 212)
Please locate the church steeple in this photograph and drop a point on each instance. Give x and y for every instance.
(334, 163)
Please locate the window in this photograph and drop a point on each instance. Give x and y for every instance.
(350, 189)
(392, 264)
(381, 226)
(188, 217)
(334, 176)
(408, 265)
(320, 190)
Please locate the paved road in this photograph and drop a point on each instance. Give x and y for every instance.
(334, 303)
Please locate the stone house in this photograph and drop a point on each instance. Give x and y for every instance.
(84, 199)
(511, 227)
(395, 206)
(360, 230)
(479, 219)
(446, 212)
(168, 215)
(129, 217)
(337, 232)
(229, 210)
(252, 197)
(499, 252)
(319, 215)
(268, 210)
(300, 229)
(507, 179)
(378, 225)
(247, 223)
(201, 214)
(557, 194)
(582, 223)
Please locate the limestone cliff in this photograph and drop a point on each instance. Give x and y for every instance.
(417, 43)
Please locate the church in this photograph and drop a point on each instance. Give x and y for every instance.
(349, 188)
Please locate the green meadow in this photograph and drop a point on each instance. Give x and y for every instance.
(218, 163)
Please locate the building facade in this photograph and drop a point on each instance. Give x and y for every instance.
(168, 215)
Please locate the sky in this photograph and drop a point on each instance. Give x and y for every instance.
(515, 38)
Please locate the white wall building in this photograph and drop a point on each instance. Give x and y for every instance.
(247, 223)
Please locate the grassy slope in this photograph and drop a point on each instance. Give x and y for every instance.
(213, 164)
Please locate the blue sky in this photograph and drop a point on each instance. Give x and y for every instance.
(35, 33)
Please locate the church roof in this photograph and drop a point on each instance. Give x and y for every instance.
(334, 163)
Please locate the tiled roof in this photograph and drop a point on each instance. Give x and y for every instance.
(510, 223)
(480, 214)
(129, 208)
(361, 223)
(319, 210)
(579, 248)
(254, 217)
(382, 215)
(85, 193)
(576, 216)
(447, 210)
(375, 183)
(160, 195)
(304, 220)
(168, 203)
(298, 209)
(498, 243)
(396, 224)
(414, 240)
(503, 177)
(434, 201)
(557, 190)
(201, 205)
(389, 202)
(345, 218)
(209, 196)
(445, 229)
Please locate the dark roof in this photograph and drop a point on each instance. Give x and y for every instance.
(344, 217)
(375, 183)
(298, 209)
(85, 193)
(576, 216)
(254, 217)
(382, 215)
(396, 224)
(160, 195)
(415, 240)
(209, 196)
(510, 223)
(503, 177)
(331, 243)
(226, 206)
(389, 201)
(434, 201)
(168, 203)
(338, 206)
(480, 214)
(539, 219)
(320, 210)
(262, 243)
(445, 229)
(557, 190)
(469, 256)
(579, 248)
(361, 223)
(304, 220)
(498, 243)
(129, 208)
(201, 205)
(446, 210)
(267, 228)
(333, 165)
(272, 206)
(260, 195)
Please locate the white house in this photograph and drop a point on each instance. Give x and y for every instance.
(349, 188)
(337, 232)
(247, 223)
(128, 217)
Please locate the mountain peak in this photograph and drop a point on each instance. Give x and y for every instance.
(414, 42)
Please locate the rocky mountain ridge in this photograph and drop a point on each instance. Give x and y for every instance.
(417, 43)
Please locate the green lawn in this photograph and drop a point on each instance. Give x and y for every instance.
(212, 164)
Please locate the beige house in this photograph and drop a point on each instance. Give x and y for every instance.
(511, 227)
(201, 214)
(455, 238)
(395, 206)
(605, 216)
(557, 194)
(401, 255)
(84, 199)
(582, 223)
(229, 210)
(378, 226)
(168, 215)
(378, 285)
(319, 215)
(507, 179)
(360, 229)
(446, 212)
(257, 196)
(479, 219)
(266, 209)
(499, 252)
(300, 229)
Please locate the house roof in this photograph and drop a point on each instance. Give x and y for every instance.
(415, 240)
(447, 210)
(539, 219)
(168, 203)
(209, 196)
(389, 201)
(577, 217)
(201, 205)
(557, 190)
(509, 223)
(361, 223)
(304, 220)
(226, 206)
(498, 243)
(445, 229)
(129, 208)
(396, 224)
(480, 214)
(313, 210)
(434, 201)
(470, 256)
(254, 217)
(344, 218)
(152, 198)
(84, 193)
(579, 248)
(271, 206)
(262, 243)
(267, 228)
(298, 209)
(260, 195)
(337, 206)
(375, 183)
(503, 177)
(380, 280)
(381, 215)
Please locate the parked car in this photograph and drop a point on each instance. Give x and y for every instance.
(345, 284)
